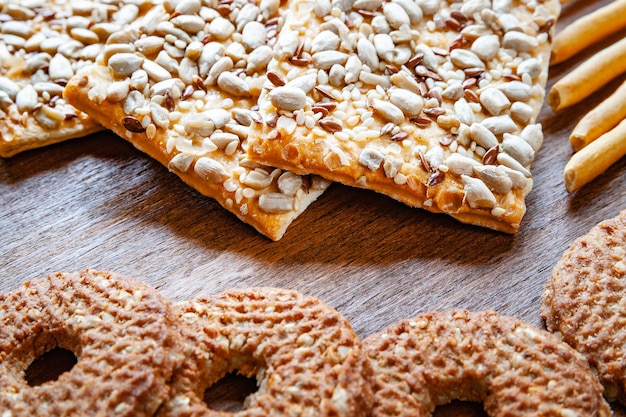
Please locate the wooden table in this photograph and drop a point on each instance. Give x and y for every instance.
(99, 203)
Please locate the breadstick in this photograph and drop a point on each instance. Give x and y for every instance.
(589, 76)
(595, 158)
(600, 120)
(588, 30)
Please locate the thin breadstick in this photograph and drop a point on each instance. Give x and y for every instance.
(589, 76)
(595, 158)
(588, 30)
(600, 120)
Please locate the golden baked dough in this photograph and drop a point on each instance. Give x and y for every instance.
(42, 44)
(430, 102)
(180, 86)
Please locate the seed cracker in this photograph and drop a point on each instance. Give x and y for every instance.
(42, 44)
(180, 86)
(431, 102)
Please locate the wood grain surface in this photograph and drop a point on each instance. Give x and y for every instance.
(98, 203)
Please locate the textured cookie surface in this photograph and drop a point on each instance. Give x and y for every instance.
(513, 368)
(305, 356)
(118, 329)
(180, 86)
(584, 301)
(431, 102)
(42, 45)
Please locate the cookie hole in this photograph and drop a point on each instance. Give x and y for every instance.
(460, 408)
(229, 393)
(49, 366)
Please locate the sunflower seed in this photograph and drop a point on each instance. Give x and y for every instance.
(26, 99)
(124, 64)
(370, 5)
(388, 111)
(519, 41)
(494, 101)
(221, 28)
(371, 158)
(500, 124)
(149, 45)
(224, 64)
(322, 7)
(516, 90)
(17, 28)
(518, 148)
(412, 9)
(533, 134)
(188, 71)
(210, 170)
(118, 90)
(134, 100)
(325, 41)
(410, 103)
(405, 81)
(288, 98)
(276, 203)
(483, 136)
(530, 66)
(190, 23)
(464, 58)
(85, 36)
(486, 47)
(258, 59)
(510, 162)
(396, 15)
(367, 53)
(326, 59)
(461, 165)
(9, 87)
(180, 162)
(254, 35)
(211, 53)
(477, 194)
(232, 84)
(494, 177)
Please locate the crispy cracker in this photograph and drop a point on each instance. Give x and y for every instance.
(181, 86)
(430, 102)
(42, 44)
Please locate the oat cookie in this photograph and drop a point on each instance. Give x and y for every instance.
(42, 45)
(119, 330)
(180, 87)
(431, 102)
(584, 303)
(512, 367)
(305, 356)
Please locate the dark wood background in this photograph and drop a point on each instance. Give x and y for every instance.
(99, 203)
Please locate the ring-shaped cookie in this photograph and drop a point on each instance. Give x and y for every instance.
(119, 330)
(513, 368)
(305, 356)
(584, 301)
